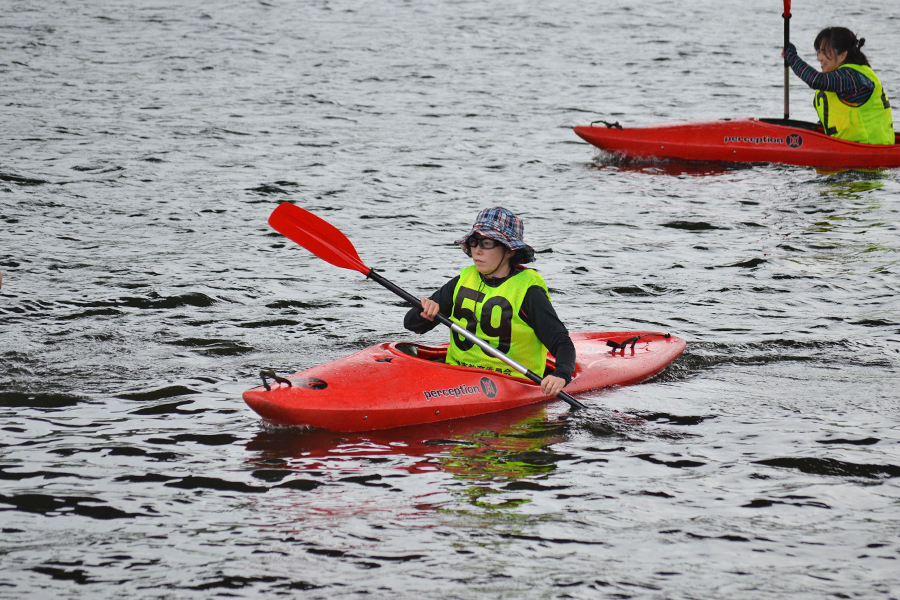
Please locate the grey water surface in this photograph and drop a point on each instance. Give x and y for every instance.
(144, 146)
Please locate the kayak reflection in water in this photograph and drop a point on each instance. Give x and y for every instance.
(501, 302)
(850, 101)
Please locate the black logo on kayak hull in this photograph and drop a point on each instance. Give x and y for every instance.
(456, 392)
(310, 383)
(488, 387)
(794, 140)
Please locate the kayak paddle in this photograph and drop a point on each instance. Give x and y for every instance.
(328, 243)
(787, 69)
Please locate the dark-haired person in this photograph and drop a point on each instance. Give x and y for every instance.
(503, 303)
(850, 101)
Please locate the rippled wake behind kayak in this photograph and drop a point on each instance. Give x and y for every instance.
(145, 147)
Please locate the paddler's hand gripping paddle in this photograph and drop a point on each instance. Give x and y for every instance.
(327, 242)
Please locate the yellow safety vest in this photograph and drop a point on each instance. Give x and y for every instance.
(869, 123)
(492, 314)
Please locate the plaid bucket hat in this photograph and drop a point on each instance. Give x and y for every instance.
(501, 224)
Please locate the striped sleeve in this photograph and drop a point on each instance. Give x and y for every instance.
(850, 85)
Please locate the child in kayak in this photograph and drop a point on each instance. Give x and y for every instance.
(850, 100)
(501, 302)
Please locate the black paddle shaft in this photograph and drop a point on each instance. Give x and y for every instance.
(787, 68)
(575, 404)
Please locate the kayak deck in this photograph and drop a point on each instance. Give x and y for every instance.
(746, 140)
(395, 384)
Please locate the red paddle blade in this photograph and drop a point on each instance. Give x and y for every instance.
(316, 235)
(787, 8)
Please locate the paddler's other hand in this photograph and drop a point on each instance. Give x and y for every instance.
(430, 309)
(552, 385)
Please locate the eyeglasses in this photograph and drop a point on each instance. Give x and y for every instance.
(485, 243)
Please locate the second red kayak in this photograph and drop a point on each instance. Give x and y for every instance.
(747, 140)
(394, 384)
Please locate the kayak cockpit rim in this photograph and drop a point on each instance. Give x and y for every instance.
(438, 354)
(782, 122)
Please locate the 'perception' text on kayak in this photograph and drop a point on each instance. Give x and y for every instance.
(755, 140)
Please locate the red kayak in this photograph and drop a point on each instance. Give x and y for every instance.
(394, 384)
(746, 140)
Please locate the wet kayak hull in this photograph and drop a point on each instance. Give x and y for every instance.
(386, 386)
(747, 140)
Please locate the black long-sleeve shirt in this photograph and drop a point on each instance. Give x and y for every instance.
(536, 311)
